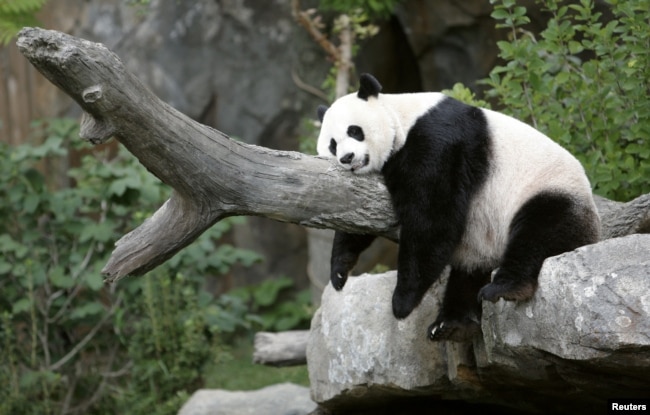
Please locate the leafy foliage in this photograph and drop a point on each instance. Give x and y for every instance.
(15, 14)
(173, 343)
(373, 8)
(72, 345)
(466, 95)
(585, 83)
(265, 302)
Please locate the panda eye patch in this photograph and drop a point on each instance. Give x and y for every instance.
(332, 147)
(356, 132)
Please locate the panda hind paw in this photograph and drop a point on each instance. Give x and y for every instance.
(454, 330)
(509, 291)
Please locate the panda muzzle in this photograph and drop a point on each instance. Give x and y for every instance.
(360, 163)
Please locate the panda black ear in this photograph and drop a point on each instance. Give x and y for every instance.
(321, 112)
(369, 86)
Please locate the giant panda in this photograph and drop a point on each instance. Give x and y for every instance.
(471, 188)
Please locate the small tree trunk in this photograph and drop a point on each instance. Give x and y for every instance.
(320, 240)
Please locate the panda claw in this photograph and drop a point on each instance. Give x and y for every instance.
(435, 328)
(338, 280)
(455, 330)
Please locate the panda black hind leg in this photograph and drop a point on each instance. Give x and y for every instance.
(459, 318)
(549, 224)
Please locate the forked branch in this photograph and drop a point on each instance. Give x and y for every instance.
(212, 175)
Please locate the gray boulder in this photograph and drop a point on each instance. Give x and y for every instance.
(281, 399)
(356, 346)
(583, 338)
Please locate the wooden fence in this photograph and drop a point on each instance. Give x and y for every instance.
(17, 107)
(25, 95)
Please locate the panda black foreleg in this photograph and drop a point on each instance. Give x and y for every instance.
(459, 318)
(424, 252)
(345, 252)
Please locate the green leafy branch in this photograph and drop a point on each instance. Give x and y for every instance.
(585, 82)
(16, 14)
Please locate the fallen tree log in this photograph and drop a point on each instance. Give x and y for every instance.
(620, 219)
(213, 176)
(287, 348)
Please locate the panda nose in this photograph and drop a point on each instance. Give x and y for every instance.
(347, 158)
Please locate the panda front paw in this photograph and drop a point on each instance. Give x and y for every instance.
(338, 278)
(454, 330)
(404, 303)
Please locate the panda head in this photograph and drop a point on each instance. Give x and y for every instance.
(357, 129)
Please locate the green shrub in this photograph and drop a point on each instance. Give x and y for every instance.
(466, 95)
(372, 8)
(70, 344)
(585, 83)
(170, 348)
(15, 14)
(273, 305)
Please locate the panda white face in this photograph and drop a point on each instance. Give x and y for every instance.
(357, 132)
(358, 129)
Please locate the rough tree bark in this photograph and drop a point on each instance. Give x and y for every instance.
(213, 176)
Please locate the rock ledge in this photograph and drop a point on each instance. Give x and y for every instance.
(583, 338)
